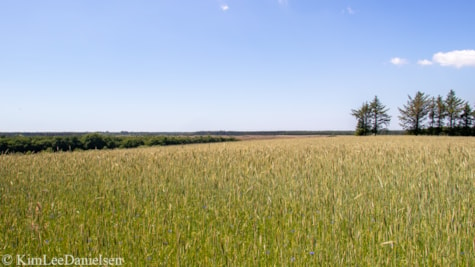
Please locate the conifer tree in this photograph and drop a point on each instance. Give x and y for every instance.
(441, 112)
(364, 117)
(380, 117)
(466, 118)
(414, 113)
(454, 106)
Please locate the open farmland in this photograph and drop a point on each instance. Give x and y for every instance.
(304, 201)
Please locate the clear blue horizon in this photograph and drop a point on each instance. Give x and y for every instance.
(248, 65)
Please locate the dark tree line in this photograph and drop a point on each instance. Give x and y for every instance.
(428, 115)
(422, 114)
(33, 144)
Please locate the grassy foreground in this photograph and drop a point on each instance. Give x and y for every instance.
(309, 201)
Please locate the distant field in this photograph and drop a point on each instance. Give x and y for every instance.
(366, 201)
(265, 137)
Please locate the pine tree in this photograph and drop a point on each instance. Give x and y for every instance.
(364, 117)
(432, 106)
(441, 112)
(466, 118)
(454, 106)
(414, 113)
(380, 117)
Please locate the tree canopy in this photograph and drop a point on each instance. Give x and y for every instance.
(33, 144)
(372, 117)
(422, 114)
(414, 113)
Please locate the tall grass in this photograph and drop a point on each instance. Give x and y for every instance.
(310, 201)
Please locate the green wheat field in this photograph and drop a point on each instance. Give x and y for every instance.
(320, 201)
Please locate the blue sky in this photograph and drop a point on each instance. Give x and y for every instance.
(167, 65)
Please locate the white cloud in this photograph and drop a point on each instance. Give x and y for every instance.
(425, 62)
(224, 7)
(398, 61)
(456, 58)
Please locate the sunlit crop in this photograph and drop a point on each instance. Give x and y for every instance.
(341, 201)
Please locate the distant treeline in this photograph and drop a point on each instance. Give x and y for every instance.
(439, 115)
(422, 114)
(242, 133)
(38, 143)
(199, 133)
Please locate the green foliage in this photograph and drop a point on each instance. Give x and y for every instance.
(432, 108)
(441, 112)
(371, 117)
(33, 144)
(454, 106)
(421, 115)
(93, 141)
(414, 113)
(466, 119)
(449, 116)
(364, 118)
(131, 142)
(380, 115)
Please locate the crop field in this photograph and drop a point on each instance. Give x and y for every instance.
(322, 201)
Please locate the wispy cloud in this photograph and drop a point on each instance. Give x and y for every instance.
(224, 7)
(283, 2)
(425, 62)
(350, 10)
(456, 58)
(398, 61)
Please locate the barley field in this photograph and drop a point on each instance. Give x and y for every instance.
(323, 201)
